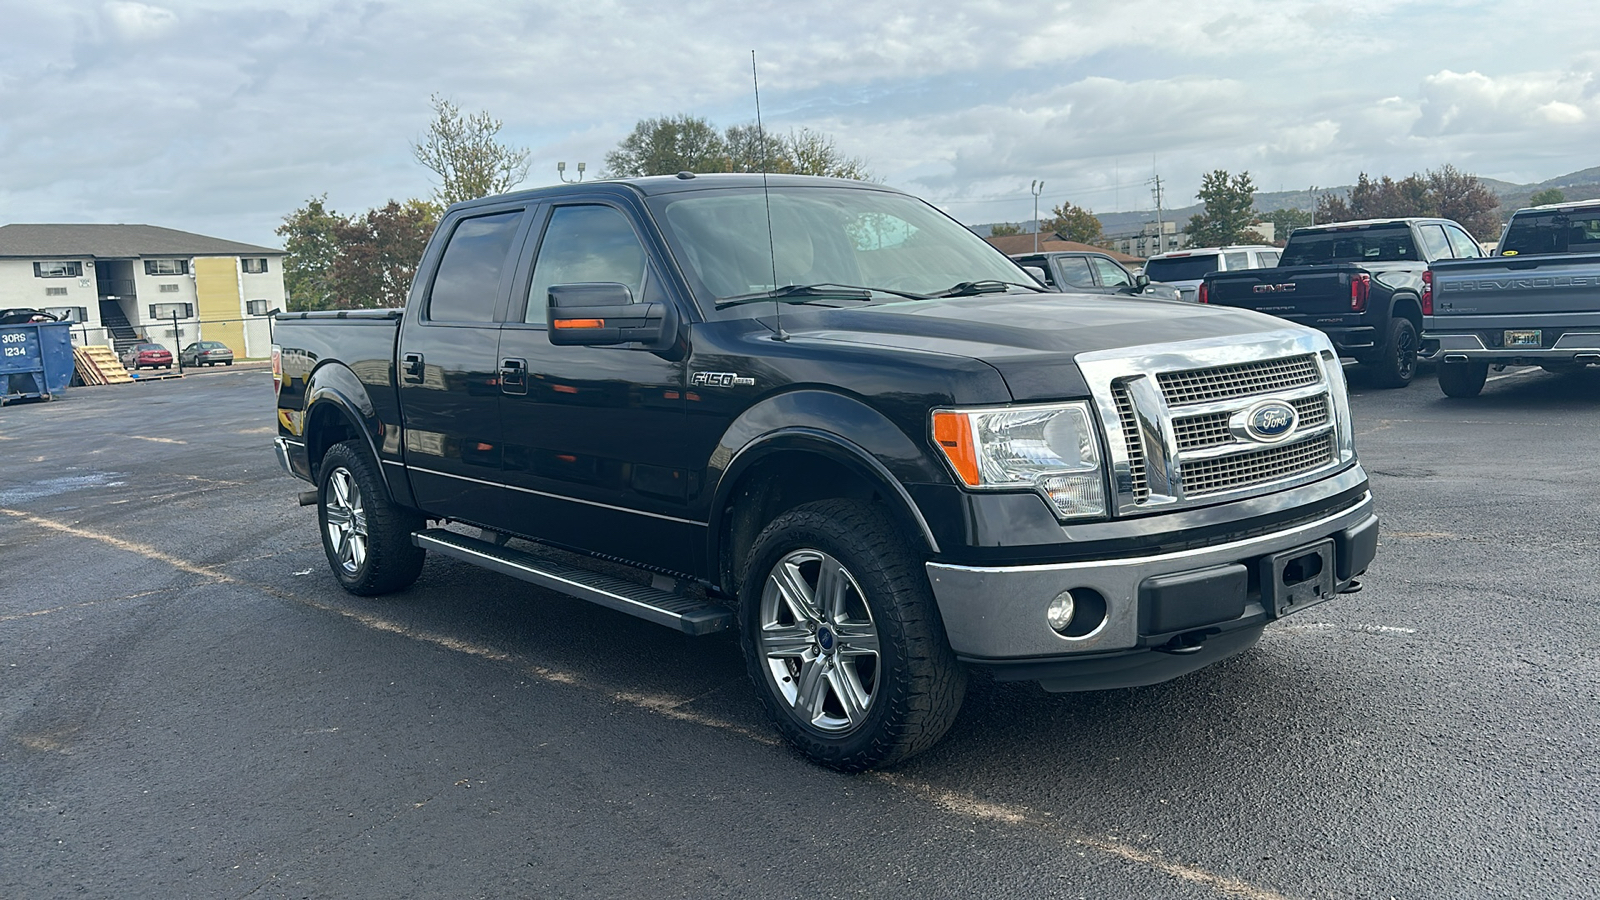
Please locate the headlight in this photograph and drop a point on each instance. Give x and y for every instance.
(1051, 449)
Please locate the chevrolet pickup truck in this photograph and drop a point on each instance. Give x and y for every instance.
(1359, 282)
(858, 437)
(1537, 302)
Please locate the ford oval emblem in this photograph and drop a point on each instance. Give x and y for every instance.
(1270, 420)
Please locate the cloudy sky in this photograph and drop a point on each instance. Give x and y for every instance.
(221, 117)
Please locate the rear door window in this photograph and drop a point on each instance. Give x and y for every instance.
(1434, 242)
(467, 285)
(1267, 258)
(1236, 260)
(1074, 272)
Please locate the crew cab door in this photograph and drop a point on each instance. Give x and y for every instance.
(594, 444)
(447, 369)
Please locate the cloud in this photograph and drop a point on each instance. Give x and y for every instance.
(1472, 103)
(138, 21)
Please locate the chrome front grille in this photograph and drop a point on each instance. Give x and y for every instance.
(1214, 476)
(1243, 380)
(1138, 481)
(1176, 417)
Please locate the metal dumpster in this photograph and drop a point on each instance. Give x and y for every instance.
(35, 360)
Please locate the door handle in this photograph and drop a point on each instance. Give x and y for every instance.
(513, 376)
(411, 367)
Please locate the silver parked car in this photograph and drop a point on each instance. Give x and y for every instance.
(1185, 269)
(206, 353)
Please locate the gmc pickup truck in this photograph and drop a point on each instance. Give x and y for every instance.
(1361, 283)
(1536, 303)
(858, 437)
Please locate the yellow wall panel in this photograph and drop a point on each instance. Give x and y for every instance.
(216, 286)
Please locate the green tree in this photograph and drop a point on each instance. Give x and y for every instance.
(1285, 221)
(1444, 192)
(1004, 229)
(310, 247)
(463, 151)
(1073, 223)
(807, 152)
(1229, 210)
(1462, 197)
(379, 253)
(1546, 196)
(667, 146)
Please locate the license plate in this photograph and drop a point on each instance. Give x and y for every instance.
(1523, 338)
(1298, 578)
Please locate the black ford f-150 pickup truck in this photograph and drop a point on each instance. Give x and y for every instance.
(1536, 303)
(1361, 283)
(858, 436)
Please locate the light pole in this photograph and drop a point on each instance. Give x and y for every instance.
(561, 172)
(1036, 188)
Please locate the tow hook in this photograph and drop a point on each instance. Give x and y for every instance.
(1182, 645)
(1354, 587)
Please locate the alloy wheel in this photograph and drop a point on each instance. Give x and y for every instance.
(346, 520)
(818, 641)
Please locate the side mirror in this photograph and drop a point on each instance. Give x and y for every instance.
(1038, 275)
(602, 314)
(1141, 281)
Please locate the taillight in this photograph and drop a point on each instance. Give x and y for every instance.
(1360, 287)
(1203, 295)
(1427, 293)
(277, 368)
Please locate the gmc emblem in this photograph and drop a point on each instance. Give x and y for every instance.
(1274, 288)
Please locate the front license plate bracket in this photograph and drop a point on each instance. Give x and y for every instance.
(1295, 579)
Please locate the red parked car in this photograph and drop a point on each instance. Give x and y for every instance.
(152, 356)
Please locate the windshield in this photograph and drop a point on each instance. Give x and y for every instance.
(1385, 243)
(874, 239)
(1552, 232)
(1181, 268)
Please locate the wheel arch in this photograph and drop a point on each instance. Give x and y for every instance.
(1409, 306)
(790, 467)
(338, 409)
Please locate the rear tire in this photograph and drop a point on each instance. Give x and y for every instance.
(843, 639)
(1395, 363)
(1463, 380)
(365, 534)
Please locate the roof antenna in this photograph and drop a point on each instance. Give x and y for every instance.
(772, 252)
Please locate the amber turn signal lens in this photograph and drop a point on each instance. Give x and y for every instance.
(580, 323)
(953, 433)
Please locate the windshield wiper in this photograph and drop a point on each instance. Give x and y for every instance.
(990, 286)
(801, 293)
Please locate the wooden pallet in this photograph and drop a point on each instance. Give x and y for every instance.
(99, 365)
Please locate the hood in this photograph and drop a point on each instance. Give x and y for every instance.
(1032, 339)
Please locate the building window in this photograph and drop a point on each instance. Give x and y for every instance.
(68, 313)
(58, 269)
(168, 310)
(169, 289)
(166, 267)
(254, 266)
(255, 307)
(55, 292)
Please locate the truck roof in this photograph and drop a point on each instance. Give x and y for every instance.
(683, 181)
(1565, 204)
(1368, 223)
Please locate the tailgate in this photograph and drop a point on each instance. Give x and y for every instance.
(1517, 286)
(1302, 292)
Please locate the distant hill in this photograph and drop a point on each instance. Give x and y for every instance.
(1581, 185)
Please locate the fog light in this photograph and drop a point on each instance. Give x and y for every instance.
(1059, 615)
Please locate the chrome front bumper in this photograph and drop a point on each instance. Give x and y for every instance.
(998, 613)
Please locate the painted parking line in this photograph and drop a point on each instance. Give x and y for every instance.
(1517, 374)
(951, 801)
(158, 440)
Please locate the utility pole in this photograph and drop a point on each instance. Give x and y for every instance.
(1161, 228)
(1313, 204)
(1037, 188)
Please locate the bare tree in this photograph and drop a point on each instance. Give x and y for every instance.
(463, 152)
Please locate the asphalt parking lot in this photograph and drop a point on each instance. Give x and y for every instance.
(190, 707)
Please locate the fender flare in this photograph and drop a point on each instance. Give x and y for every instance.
(333, 384)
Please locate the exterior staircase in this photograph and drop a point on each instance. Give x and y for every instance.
(117, 326)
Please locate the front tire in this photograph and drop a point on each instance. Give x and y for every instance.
(365, 534)
(843, 639)
(1396, 361)
(1463, 380)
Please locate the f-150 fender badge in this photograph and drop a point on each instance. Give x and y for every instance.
(1266, 422)
(719, 379)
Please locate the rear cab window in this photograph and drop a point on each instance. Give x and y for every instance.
(1181, 268)
(1359, 244)
(1552, 231)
